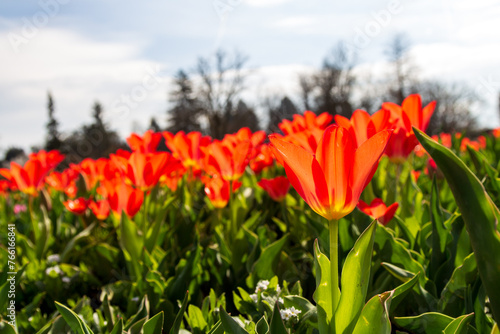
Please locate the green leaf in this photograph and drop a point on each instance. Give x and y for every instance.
(178, 318)
(307, 310)
(154, 325)
(230, 325)
(73, 320)
(322, 294)
(217, 329)
(196, 319)
(69, 246)
(355, 280)
(262, 327)
(277, 326)
(6, 328)
(375, 316)
(265, 266)
(455, 291)
(118, 329)
(495, 329)
(401, 291)
(479, 213)
(154, 231)
(439, 233)
(131, 243)
(426, 323)
(142, 313)
(459, 325)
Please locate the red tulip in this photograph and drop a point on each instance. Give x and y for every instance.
(218, 192)
(331, 181)
(100, 209)
(277, 188)
(363, 126)
(187, 148)
(378, 210)
(227, 159)
(145, 144)
(122, 197)
(29, 178)
(77, 206)
(409, 114)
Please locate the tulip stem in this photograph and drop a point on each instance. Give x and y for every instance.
(334, 265)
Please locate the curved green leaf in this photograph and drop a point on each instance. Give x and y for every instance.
(478, 211)
(322, 294)
(262, 327)
(178, 318)
(354, 281)
(426, 323)
(73, 320)
(277, 325)
(118, 329)
(230, 325)
(375, 316)
(459, 325)
(6, 328)
(154, 325)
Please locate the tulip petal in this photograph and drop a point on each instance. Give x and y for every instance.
(304, 173)
(366, 156)
(335, 155)
(412, 107)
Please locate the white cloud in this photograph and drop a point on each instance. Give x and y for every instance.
(295, 22)
(265, 3)
(77, 71)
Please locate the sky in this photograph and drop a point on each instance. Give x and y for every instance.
(125, 53)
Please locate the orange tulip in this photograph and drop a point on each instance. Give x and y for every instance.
(409, 114)
(100, 209)
(363, 126)
(218, 192)
(187, 148)
(277, 188)
(378, 210)
(145, 144)
(77, 206)
(264, 158)
(331, 181)
(307, 121)
(29, 178)
(227, 159)
(64, 181)
(121, 197)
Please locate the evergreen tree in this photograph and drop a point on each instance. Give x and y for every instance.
(53, 141)
(285, 110)
(153, 125)
(183, 116)
(242, 116)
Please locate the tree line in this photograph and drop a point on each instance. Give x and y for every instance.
(209, 98)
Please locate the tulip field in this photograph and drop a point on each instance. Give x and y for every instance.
(334, 225)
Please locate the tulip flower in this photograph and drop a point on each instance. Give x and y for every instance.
(264, 158)
(29, 178)
(363, 126)
(332, 180)
(145, 144)
(226, 159)
(100, 209)
(77, 206)
(121, 197)
(277, 188)
(218, 192)
(410, 114)
(307, 121)
(378, 210)
(187, 148)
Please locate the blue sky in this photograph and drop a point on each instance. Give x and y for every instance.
(84, 51)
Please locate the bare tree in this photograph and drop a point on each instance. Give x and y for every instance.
(454, 106)
(278, 110)
(221, 82)
(403, 71)
(332, 86)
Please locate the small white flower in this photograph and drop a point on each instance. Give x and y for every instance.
(54, 269)
(278, 289)
(262, 286)
(254, 297)
(288, 313)
(285, 314)
(54, 258)
(281, 301)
